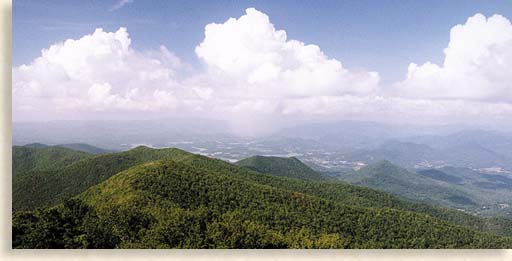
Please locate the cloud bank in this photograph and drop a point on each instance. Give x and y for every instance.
(256, 78)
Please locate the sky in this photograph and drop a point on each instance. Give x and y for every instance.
(277, 61)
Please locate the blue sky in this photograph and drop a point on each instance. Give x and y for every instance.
(395, 61)
(384, 36)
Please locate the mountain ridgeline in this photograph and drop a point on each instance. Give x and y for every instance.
(455, 187)
(284, 167)
(387, 177)
(35, 188)
(169, 198)
(40, 157)
(85, 148)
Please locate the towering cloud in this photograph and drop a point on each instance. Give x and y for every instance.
(97, 72)
(261, 62)
(477, 64)
(254, 69)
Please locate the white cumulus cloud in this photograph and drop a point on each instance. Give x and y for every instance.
(477, 64)
(259, 61)
(97, 72)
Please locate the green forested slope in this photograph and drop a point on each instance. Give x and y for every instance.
(36, 189)
(48, 187)
(355, 195)
(285, 167)
(168, 204)
(38, 157)
(387, 177)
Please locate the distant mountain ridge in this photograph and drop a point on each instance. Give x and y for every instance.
(385, 176)
(36, 145)
(464, 149)
(285, 167)
(40, 157)
(462, 188)
(85, 148)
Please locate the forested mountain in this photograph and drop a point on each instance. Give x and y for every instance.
(57, 186)
(35, 145)
(387, 177)
(85, 148)
(462, 188)
(168, 204)
(285, 167)
(493, 191)
(40, 157)
(37, 188)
